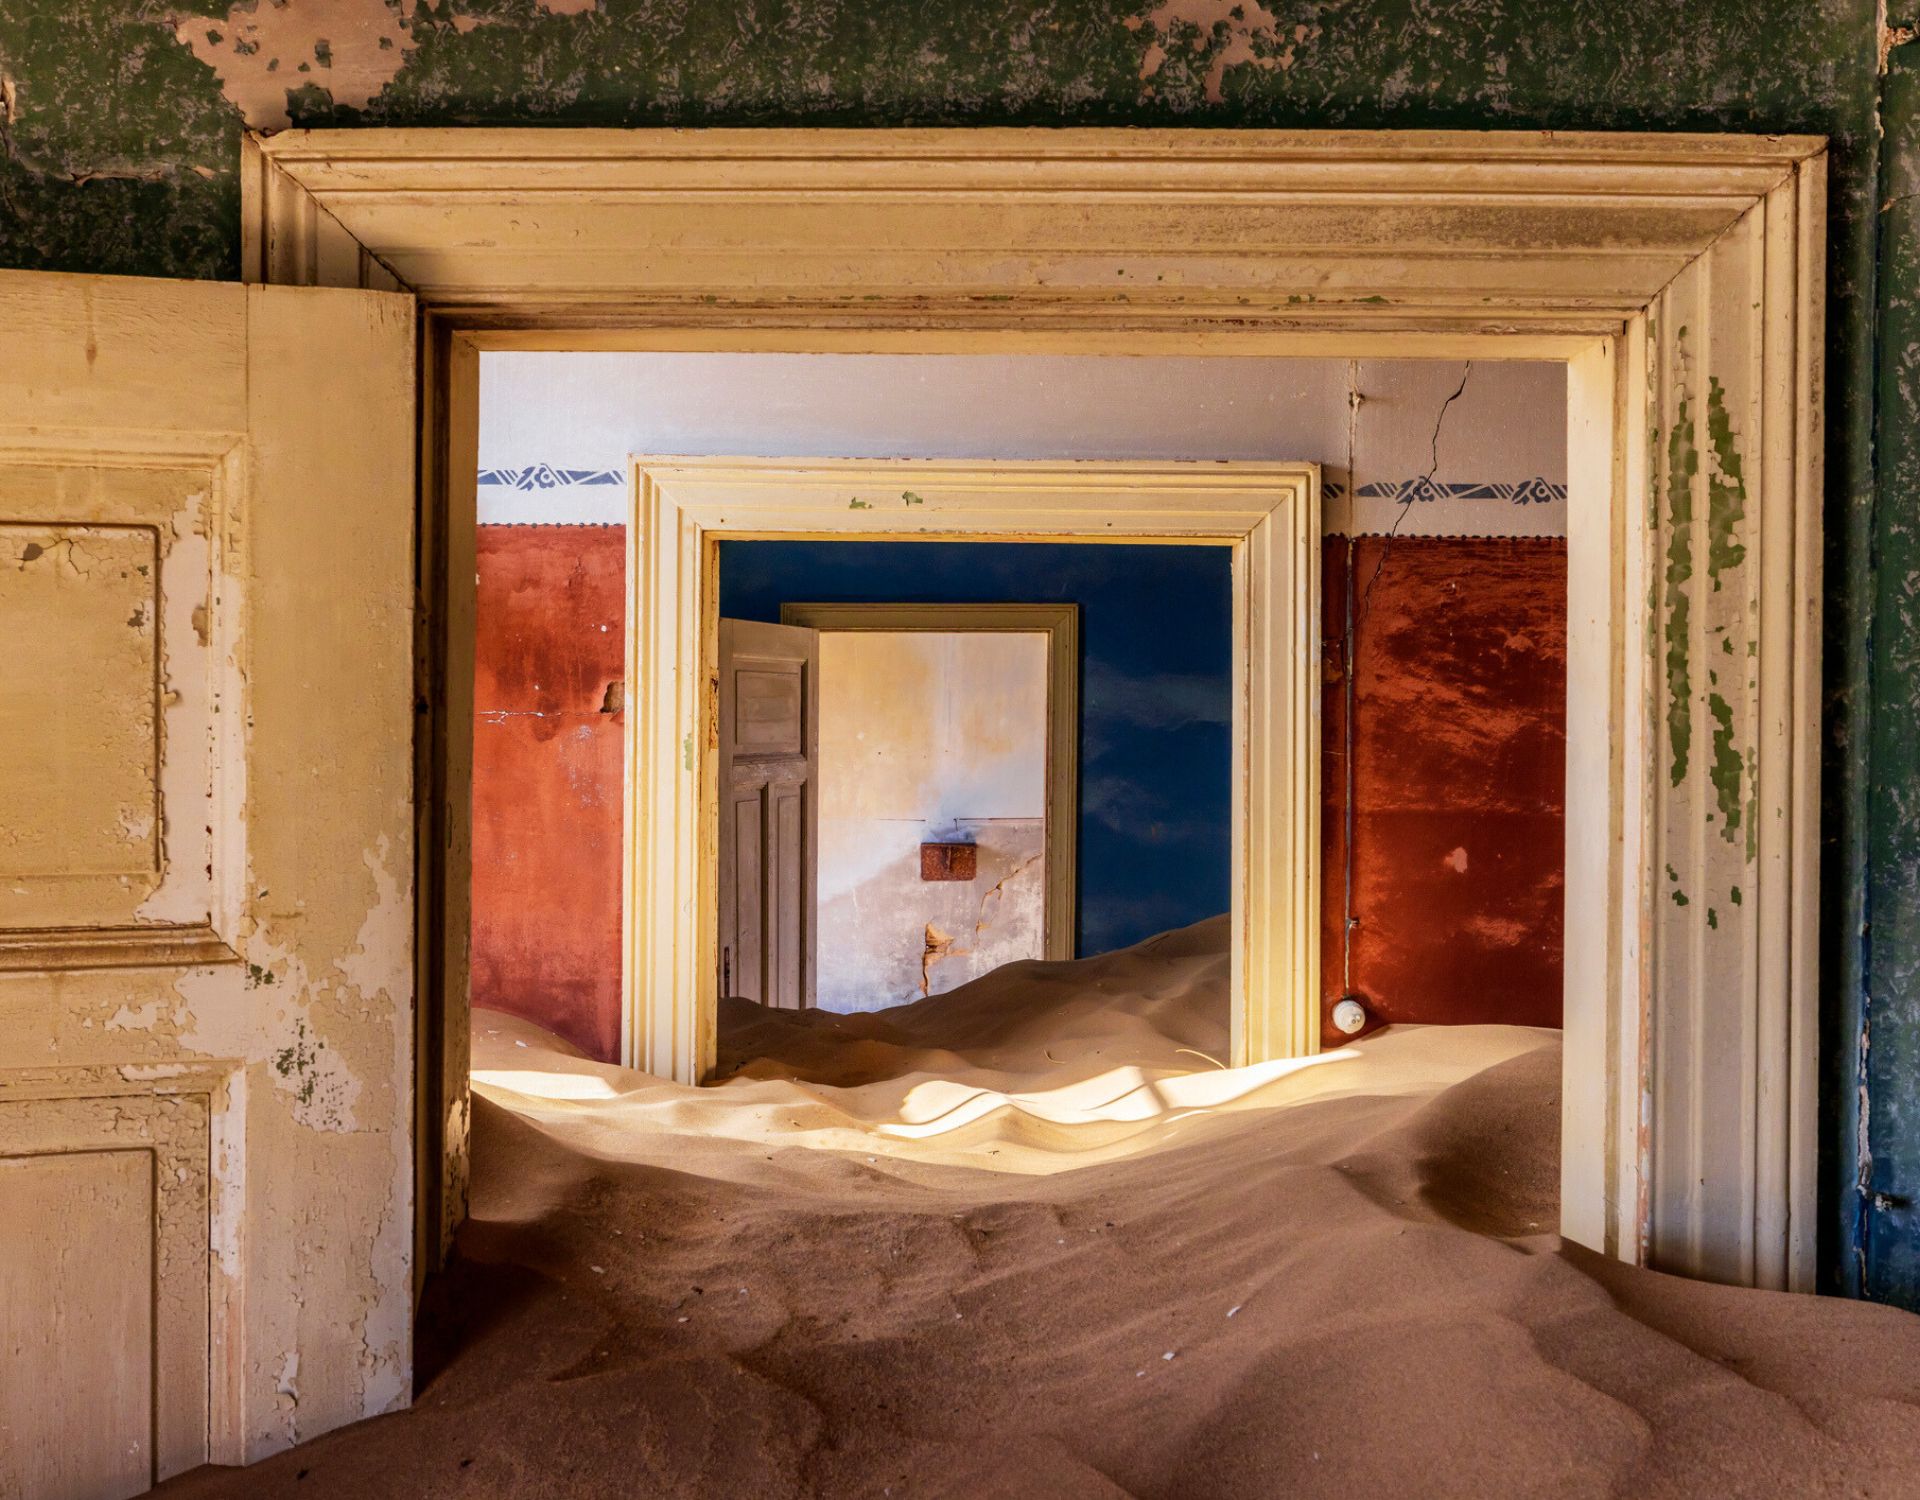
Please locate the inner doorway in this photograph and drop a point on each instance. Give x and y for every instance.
(908, 818)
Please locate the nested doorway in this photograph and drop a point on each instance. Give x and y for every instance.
(898, 797)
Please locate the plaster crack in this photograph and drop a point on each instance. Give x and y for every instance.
(1414, 492)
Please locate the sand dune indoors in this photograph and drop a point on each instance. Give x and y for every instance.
(1026, 1239)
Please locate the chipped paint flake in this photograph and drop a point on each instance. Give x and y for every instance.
(1223, 33)
(348, 50)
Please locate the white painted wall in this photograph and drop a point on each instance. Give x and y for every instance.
(562, 425)
(928, 736)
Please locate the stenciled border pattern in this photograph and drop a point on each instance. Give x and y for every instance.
(547, 477)
(1420, 488)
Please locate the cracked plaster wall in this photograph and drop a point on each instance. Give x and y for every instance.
(118, 152)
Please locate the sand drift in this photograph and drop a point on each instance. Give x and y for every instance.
(1029, 1239)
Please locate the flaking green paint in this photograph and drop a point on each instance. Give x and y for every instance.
(1727, 769)
(1726, 490)
(1683, 462)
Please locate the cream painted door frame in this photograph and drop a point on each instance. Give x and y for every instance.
(1680, 277)
(1269, 514)
(1060, 623)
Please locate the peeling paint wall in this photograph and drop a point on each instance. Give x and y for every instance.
(1880, 1115)
(118, 152)
(928, 737)
(547, 769)
(1459, 779)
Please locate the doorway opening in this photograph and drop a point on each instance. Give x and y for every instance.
(908, 811)
(1438, 847)
(1000, 781)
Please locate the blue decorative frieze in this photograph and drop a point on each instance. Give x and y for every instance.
(1422, 489)
(546, 477)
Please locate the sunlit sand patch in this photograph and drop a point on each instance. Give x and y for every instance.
(1124, 1094)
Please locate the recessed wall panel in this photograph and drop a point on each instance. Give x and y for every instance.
(79, 744)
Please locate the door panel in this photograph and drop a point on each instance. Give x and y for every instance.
(789, 914)
(77, 1229)
(206, 572)
(769, 705)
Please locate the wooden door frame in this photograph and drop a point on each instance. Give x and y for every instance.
(1060, 624)
(1268, 513)
(1680, 278)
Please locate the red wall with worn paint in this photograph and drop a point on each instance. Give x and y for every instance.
(1459, 765)
(547, 779)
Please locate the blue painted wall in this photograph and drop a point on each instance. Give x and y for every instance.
(1156, 656)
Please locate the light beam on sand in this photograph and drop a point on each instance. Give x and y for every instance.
(543, 1085)
(1121, 1095)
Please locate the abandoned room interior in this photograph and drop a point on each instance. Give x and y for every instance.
(999, 800)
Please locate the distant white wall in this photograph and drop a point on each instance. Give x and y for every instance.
(556, 430)
(928, 736)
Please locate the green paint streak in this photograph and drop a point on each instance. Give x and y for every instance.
(1683, 462)
(1726, 489)
(1713, 918)
(1679, 898)
(910, 498)
(858, 505)
(1727, 768)
(1753, 808)
(1736, 895)
(686, 752)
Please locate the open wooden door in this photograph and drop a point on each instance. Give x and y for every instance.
(206, 873)
(769, 811)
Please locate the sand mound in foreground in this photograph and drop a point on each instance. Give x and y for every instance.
(1119, 1273)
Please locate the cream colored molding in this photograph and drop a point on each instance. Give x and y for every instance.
(1090, 230)
(1269, 514)
(1060, 623)
(1689, 1096)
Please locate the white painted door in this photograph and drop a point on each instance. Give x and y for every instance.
(769, 814)
(206, 903)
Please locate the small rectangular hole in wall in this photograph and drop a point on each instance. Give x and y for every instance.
(949, 861)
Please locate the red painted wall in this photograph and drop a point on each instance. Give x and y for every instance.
(547, 779)
(1460, 778)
